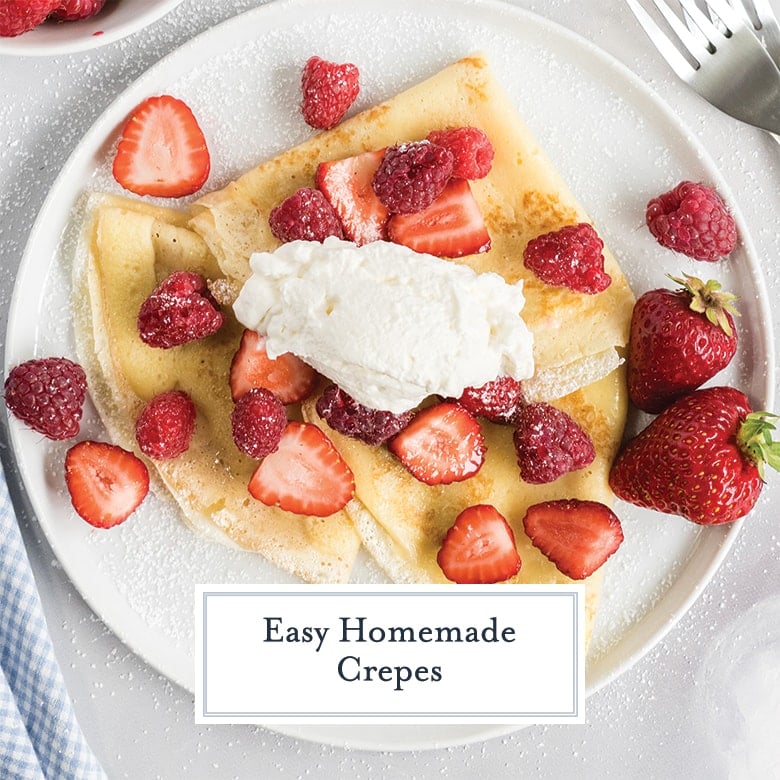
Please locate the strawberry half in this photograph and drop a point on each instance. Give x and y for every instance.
(287, 376)
(162, 151)
(577, 536)
(305, 475)
(703, 458)
(346, 184)
(442, 444)
(479, 548)
(106, 483)
(452, 226)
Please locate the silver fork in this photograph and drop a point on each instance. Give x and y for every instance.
(762, 19)
(730, 69)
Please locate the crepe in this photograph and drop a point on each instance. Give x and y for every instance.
(129, 246)
(578, 338)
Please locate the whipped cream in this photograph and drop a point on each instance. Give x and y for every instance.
(389, 325)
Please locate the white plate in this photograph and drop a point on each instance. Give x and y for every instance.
(117, 19)
(613, 140)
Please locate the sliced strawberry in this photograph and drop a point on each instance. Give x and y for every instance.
(442, 444)
(577, 536)
(287, 376)
(305, 475)
(347, 186)
(106, 483)
(162, 151)
(452, 226)
(479, 547)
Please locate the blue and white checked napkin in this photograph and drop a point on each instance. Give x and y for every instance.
(39, 735)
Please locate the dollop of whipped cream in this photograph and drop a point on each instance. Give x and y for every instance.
(390, 326)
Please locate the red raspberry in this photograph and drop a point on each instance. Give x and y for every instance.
(258, 420)
(19, 16)
(329, 89)
(306, 216)
(549, 444)
(497, 400)
(411, 176)
(569, 257)
(694, 220)
(165, 426)
(48, 395)
(345, 415)
(73, 10)
(471, 149)
(181, 309)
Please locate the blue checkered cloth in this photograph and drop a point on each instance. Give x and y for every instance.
(39, 735)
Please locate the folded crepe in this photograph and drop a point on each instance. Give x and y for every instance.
(128, 247)
(577, 338)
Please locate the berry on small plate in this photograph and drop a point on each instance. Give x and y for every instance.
(68, 26)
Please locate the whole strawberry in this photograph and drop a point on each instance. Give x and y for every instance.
(703, 458)
(679, 339)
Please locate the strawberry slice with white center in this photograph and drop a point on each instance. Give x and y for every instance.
(479, 548)
(577, 536)
(288, 377)
(106, 483)
(162, 151)
(452, 226)
(346, 184)
(442, 444)
(305, 475)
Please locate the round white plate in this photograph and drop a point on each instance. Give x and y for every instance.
(117, 19)
(611, 138)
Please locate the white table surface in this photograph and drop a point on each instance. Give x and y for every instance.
(661, 719)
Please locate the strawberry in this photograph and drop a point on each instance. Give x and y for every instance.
(703, 458)
(479, 548)
(106, 483)
(162, 150)
(305, 475)
(577, 536)
(287, 376)
(679, 339)
(452, 226)
(442, 444)
(346, 184)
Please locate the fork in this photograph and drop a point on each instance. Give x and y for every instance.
(761, 17)
(730, 69)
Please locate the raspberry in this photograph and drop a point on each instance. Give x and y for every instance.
(569, 257)
(73, 10)
(48, 395)
(471, 149)
(165, 426)
(694, 220)
(497, 400)
(258, 420)
(345, 415)
(411, 176)
(306, 216)
(19, 16)
(549, 443)
(329, 89)
(181, 309)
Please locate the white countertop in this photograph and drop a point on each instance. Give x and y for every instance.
(662, 718)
